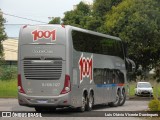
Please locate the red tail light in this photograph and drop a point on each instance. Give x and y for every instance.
(20, 88)
(67, 85)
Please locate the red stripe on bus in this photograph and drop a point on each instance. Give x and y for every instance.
(121, 84)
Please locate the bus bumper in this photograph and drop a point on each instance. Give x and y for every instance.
(50, 101)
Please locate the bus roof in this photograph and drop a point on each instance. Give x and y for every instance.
(92, 32)
(78, 29)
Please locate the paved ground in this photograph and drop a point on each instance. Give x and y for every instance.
(131, 105)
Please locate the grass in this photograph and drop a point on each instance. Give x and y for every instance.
(131, 88)
(8, 88)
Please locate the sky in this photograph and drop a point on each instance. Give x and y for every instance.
(39, 10)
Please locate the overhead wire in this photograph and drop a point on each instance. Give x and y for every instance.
(23, 18)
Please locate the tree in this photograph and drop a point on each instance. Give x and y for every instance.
(3, 35)
(88, 16)
(100, 8)
(138, 23)
(55, 20)
(78, 17)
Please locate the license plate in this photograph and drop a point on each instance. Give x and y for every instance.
(42, 101)
(145, 91)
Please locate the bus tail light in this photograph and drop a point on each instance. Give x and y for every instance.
(67, 85)
(20, 88)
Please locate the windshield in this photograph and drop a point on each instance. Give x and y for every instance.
(144, 85)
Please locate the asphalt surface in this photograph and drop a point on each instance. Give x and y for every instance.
(71, 114)
(130, 105)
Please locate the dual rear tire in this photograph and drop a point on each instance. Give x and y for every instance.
(120, 99)
(87, 103)
(90, 102)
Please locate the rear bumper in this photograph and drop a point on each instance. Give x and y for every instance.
(46, 101)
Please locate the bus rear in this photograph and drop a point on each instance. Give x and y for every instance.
(42, 76)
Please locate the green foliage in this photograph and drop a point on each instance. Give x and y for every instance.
(3, 35)
(138, 23)
(100, 7)
(77, 17)
(90, 17)
(154, 105)
(8, 73)
(157, 72)
(56, 20)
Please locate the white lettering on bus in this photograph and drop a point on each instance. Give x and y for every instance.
(44, 34)
(86, 67)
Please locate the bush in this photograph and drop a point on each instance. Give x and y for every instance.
(8, 73)
(154, 105)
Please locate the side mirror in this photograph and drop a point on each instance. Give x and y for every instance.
(130, 65)
(125, 46)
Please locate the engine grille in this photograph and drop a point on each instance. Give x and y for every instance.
(46, 69)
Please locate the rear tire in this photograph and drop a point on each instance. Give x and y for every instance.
(83, 107)
(116, 103)
(45, 109)
(90, 102)
(122, 98)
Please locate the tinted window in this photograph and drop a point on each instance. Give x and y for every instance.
(144, 85)
(98, 76)
(85, 42)
(108, 76)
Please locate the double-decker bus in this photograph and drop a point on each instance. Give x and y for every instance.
(65, 66)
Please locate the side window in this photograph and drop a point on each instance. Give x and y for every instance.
(108, 76)
(120, 76)
(119, 51)
(105, 79)
(91, 43)
(98, 78)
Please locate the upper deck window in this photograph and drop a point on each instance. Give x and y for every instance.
(91, 43)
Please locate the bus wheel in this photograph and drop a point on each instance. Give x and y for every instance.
(116, 103)
(90, 101)
(44, 109)
(122, 98)
(83, 107)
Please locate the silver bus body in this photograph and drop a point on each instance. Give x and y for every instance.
(53, 72)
